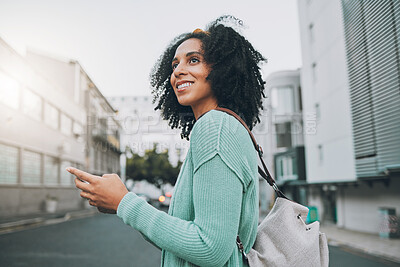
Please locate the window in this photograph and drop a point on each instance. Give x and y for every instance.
(317, 111)
(66, 125)
(65, 177)
(8, 164)
(32, 105)
(282, 100)
(51, 116)
(287, 168)
(51, 170)
(78, 131)
(314, 72)
(96, 159)
(283, 134)
(31, 168)
(320, 154)
(311, 32)
(9, 91)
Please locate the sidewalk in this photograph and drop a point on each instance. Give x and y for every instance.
(368, 243)
(12, 224)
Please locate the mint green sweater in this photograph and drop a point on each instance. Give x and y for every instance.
(215, 198)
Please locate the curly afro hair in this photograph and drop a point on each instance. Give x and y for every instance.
(236, 79)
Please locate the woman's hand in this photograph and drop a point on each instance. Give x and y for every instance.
(104, 192)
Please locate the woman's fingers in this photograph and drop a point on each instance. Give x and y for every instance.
(106, 192)
(84, 176)
(82, 185)
(86, 195)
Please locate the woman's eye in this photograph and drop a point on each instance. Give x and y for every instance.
(194, 60)
(174, 66)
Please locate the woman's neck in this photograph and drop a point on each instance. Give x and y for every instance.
(200, 110)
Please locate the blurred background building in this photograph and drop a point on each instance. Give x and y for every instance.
(280, 133)
(52, 116)
(350, 81)
(144, 127)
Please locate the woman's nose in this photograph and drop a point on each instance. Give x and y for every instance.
(179, 70)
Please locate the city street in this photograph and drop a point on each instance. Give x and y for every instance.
(103, 240)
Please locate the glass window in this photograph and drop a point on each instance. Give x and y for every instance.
(9, 91)
(78, 130)
(96, 160)
(65, 177)
(32, 105)
(66, 124)
(51, 170)
(311, 29)
(314, 72)
(283, 134)
(320, 154)
(318, 111)
(282, 100)
(31, 163)
(8, 164)
(51, 116)
(286, 167)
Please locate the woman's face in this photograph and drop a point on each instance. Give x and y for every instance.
(189, 77)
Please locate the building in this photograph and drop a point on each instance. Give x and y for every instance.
(350, 81)
(280, 134)
(45, 127)
(143, 127)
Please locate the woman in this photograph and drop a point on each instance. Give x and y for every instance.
(216, 194)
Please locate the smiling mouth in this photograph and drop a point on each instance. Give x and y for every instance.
(183, 86)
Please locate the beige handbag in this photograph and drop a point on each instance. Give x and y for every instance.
(283, 238)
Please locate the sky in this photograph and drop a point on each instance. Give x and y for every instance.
(118, 42)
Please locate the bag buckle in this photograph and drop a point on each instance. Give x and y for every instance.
(241, 248)
(301, 219)
(260, 150)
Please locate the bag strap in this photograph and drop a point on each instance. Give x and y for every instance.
(264, 173)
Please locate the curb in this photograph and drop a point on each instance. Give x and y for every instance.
(38, 221)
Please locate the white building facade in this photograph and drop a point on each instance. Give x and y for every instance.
(43, 130)
(350, 81)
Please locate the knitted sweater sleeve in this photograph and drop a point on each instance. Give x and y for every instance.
(209, 239)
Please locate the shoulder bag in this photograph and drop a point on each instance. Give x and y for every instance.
(283, 237)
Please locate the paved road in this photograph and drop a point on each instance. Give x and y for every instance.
(344, 257)
(102, 240)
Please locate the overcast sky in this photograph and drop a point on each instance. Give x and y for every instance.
(118, 42)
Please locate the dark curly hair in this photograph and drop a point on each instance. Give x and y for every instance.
(235, 77)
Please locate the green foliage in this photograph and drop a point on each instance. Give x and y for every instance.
(153, 167)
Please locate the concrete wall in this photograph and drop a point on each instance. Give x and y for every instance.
(16, 200)
(57, 71)
(325, 92)
(361, 204)
(21, 131)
